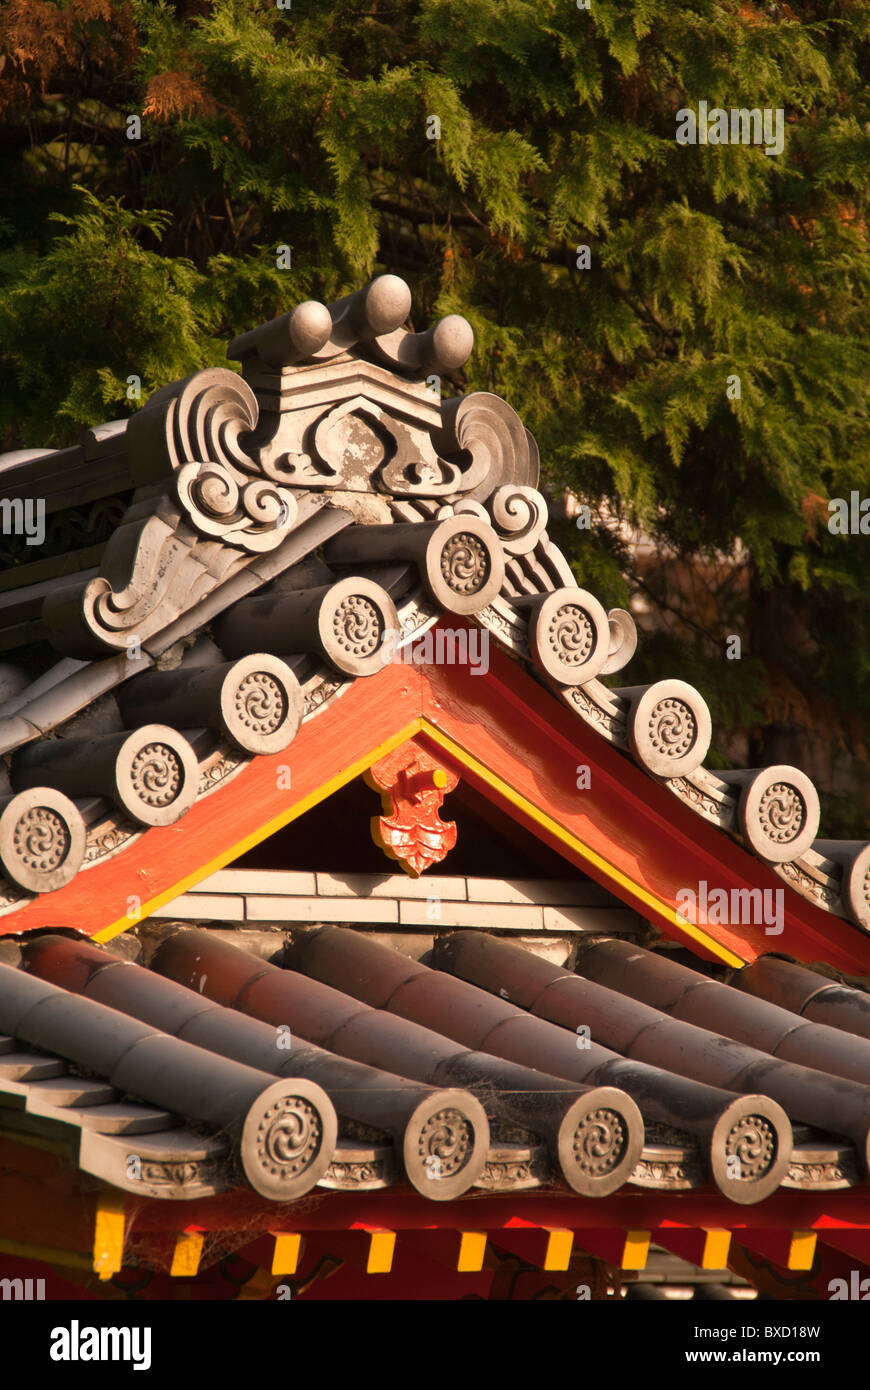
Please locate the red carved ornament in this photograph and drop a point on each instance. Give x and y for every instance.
(412, 784)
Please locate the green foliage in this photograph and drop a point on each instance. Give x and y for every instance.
(69, 318)
(308, 126)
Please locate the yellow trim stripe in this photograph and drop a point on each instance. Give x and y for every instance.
(381, 1247)
(276, 823)
(486, 774)
(287, 1253)
(717, 1245)
(802, 1250)
(186, 1255)
(585, 851)
(635, 1250)
(109, 1234)
(559, 1247)
(472, 1249)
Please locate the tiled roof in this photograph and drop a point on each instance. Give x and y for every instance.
(357, 1066)
(277, 530)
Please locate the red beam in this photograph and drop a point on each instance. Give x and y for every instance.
(514, 729)
(240, 1210)
(536, 743)
(849, 1241)
(546, 1248)
(371, 712)
(787, 1248)
(708, 1248)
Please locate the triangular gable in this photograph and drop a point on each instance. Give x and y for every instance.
(508, 738)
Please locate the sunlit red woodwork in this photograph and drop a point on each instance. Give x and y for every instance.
(519, 748)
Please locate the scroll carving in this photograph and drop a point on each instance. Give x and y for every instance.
(148, 575)
(489, 431)
(514, 1166)
(231, 453)
(202, 419)
(182, 1172)
(254, 516)
(358, 444)
(519, 515)
(171, 550)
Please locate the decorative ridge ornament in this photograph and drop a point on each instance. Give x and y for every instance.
(199, 419)
(412, 784)
(371, 317)
(221, 462)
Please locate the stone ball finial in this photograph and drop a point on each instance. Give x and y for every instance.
(309, 326)
(385, 304)
(287, 339)
(451, 342)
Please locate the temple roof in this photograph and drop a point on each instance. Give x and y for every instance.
(218, 570)
(482, 1068)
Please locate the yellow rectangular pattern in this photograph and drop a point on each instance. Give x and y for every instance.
(285, 1256)
(802, 1250)
(186, 1255)
(559, 1247)
(635, 1250)
(109, 1234)
(472, 1249)
(381, 1247)
(716, 1247)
